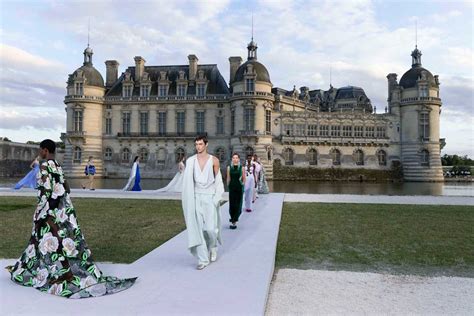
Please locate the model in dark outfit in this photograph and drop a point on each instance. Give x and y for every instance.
(235, 181)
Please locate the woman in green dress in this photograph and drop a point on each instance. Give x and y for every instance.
(57, 259)
(235, 182)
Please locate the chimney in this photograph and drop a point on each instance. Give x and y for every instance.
(139, 68)
(112, 72)
(193, 65)
(392, 82)
(234, 63)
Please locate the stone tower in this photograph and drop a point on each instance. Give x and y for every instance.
(251, 107)
(415, 99)
(84, 106)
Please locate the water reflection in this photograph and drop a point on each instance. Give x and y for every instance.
(318, 187)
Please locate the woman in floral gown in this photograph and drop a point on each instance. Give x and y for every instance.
(57, 259)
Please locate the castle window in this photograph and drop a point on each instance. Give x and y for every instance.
(268, 122)
(201, 89)
(219, 125)
(126, 123)
(369, 131)
(359, 157)
(358, 131)
(180, 123)
(77, 120)
(200, 122)
(143, 153)
(162, 123)
(77, 154)
(108, 125)
(143, 123)
(324, 130)
(335, 130)
(380, 132)
(423, 91)
(126, 155)
(288, 155)
(425, 158)
(300, 130)
(425, 126)
(232, 122)
(336, 157)
(181, 90)
(347, 131)
(179, 153)
(108, 153)
(382, 157)
(312, 157)
(127, 91)
(288, 129)
(162, 90)
(79, 88)
(249, 119)
(250, 85)
(145, 91)
(312, 130)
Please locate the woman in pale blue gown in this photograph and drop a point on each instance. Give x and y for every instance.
(29, 181)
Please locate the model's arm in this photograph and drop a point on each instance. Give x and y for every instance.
(243, 175)
(216, 165)
(228, 175)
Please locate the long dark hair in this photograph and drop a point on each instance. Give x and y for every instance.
(134, 160)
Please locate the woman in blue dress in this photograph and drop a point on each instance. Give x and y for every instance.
(29, 180)
(134, 178)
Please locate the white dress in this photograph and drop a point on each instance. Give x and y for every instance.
(176, 184)
(131, 179)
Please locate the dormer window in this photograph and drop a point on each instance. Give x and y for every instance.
(127, 91)
(181, 75)
(201, 74)
(79, 88)
(181, 90)
(250, 85)
(163, 90)
(201, 89)
(145, 90)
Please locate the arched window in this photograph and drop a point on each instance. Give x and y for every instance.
(125, 155)
(425, 158)
(312, 156)
(143, 153)
(359, 157)
(382, 157)
(220, 154)
(336, 157)
(77, 155)
(180, 153)
(161, 156)
(288, 155)
(108, 153)
(248, 151)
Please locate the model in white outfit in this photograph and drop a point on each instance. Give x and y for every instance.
(176, 184)
(249, 188)
(131, 179)
(202, 192)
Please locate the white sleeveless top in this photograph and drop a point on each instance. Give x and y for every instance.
(204, 180)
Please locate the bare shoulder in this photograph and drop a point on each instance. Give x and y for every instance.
(215, 161)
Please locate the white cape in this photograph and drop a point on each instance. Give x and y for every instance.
(175, 185)
(189, 208)
(131, 179)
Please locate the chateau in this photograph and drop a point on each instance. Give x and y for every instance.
(156, 111)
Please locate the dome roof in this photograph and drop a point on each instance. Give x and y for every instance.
(262, 72)
(351, 92)
(410, 77)
(93, 76)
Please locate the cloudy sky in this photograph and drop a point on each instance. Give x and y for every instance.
(299, 41)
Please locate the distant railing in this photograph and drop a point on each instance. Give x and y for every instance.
(75, 133)
(209, 97)
(159, 135)
(420, 99)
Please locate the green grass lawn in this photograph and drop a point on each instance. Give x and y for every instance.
(116, 230)
(417, 239)
(413, 239)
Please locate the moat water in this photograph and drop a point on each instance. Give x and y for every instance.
(317, 187)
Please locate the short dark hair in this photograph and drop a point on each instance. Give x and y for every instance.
(201, 137)
(49, 145)
(136, 157)
(236, 154)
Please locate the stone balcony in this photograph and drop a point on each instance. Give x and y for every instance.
(336, 140)
(145, 136)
